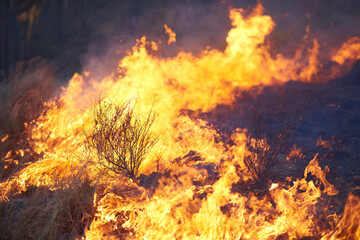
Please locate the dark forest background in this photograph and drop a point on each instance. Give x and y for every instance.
(57, 30)
(64, 31)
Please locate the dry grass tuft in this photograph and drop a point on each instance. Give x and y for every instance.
(24, 93)
(22, 98)
(41, 213)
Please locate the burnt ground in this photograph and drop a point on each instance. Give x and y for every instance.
(328, 112)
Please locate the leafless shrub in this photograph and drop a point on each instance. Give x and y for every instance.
(120, 138)
(160, 165)
(266, 142)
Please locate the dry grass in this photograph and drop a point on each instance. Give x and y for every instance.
(23, 95)
(22, 98)
(40, 213)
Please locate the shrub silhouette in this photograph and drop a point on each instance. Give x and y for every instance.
(120, 138)
(266, 142)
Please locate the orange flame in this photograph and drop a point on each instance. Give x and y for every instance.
(171, 34)
(180, 209)
(348, 51)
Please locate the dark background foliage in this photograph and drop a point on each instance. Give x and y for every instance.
(66, 32)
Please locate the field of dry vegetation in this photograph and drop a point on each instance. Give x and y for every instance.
(252, 137)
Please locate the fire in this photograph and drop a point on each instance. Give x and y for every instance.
(180, 210)
(348, 51)
(196, 199)
(295, 154)
(171, 34)
(348, 227)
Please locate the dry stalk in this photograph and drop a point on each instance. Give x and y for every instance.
(119, 138)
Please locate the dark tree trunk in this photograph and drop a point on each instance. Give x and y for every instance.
(85, 14)
(2, 39)
(9, 40)
(136, 8)
(31, 16)
(46, 19)
(15, 35)
(60, 22)
(5, 24)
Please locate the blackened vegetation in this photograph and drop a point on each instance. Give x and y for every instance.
(267, 141)
(318, 119)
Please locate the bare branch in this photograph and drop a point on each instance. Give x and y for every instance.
(120, 138)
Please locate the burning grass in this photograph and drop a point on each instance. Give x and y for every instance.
(205, 184)
(21, 101)
(41, 213)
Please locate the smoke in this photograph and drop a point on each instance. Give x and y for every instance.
(201, 25)
(204, 24)
(198, 25)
